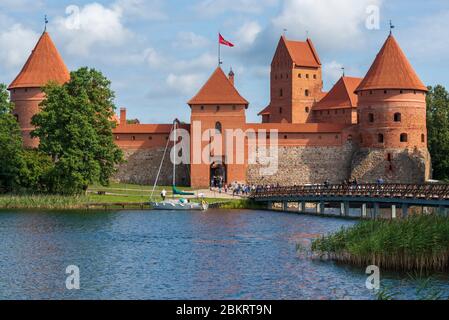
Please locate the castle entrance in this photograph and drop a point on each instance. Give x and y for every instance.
(218, 176)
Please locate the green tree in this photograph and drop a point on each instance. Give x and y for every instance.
(10, 143)
(34, 173)
(438, 130)
(75, 130)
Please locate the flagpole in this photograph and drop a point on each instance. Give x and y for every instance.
(219, 50)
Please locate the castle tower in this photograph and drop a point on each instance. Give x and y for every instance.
(44, 65)
(392, 119)
(296, 82)
(218, 106)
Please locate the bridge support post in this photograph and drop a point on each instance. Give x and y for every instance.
(376, 210)
(404, 210)
(342, 209)
(285, 206)
(320, 207)
(270, 205)
(364, 210)
(393, 212)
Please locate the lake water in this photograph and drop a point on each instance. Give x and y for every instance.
(165, 255)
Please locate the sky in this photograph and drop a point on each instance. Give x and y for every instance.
(158, 53)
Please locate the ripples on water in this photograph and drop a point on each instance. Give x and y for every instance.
(165, 255)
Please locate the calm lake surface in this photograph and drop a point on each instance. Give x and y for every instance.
(165, 255)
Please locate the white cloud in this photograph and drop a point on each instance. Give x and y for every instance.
(16, 44)
(248, 33)
(334, 24)
(186, 84)
(190, 40)
(144, 9)
(210, 8)
(94, 25)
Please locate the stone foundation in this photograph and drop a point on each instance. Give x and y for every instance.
(306, 165)
(142, 165)
(392, 165)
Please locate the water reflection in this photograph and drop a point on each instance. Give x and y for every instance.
(163, 255)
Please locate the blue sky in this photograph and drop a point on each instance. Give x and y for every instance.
(158, 53)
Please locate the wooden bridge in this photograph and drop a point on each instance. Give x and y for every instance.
(371, 199)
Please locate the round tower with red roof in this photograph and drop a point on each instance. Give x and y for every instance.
(43, 66)
(392, 119)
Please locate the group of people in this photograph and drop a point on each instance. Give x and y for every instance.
(237, 189)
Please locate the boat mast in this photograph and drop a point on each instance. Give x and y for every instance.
(174, 154)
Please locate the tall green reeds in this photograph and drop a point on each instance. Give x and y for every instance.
(418, 243)
(41, 202)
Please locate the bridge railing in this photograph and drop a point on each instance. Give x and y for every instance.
(401, 191)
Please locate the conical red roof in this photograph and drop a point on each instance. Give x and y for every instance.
(218, 90)
(391, 70)
(44, 65)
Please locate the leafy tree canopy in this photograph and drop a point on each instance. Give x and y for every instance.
(10, 143)
(438, 130)
(75, 130)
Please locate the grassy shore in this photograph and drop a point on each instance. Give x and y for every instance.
(419, 243)
(116, 193)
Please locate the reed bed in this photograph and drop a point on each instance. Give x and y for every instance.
(419, 243)
(42, 202)
(239, 204)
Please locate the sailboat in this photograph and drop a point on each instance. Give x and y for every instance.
(181, 204)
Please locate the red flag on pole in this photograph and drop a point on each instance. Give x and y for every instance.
(224, 42)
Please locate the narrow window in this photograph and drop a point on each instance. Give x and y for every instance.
(17, 117)
(285, 137)
(314, 76)
(423, 138)
(150, 138)
(307, 92)
(404, 137)
(218, 108)
(218, 127)
(371, 117)
(202, 107)
(280, 110)
(299, 75)
(133, 138)
(281, 93)
(307, 109)
(385, 91)
(380, 138)
(397, 117)
(307, 76)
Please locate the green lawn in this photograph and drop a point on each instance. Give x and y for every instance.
(115, 193)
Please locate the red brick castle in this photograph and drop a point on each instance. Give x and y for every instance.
(366, 129)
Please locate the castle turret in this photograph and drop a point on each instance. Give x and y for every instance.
(296, 82)
(392, 119)
(218, 106)
(44, 65)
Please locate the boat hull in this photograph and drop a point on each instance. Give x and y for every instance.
(175, 206)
